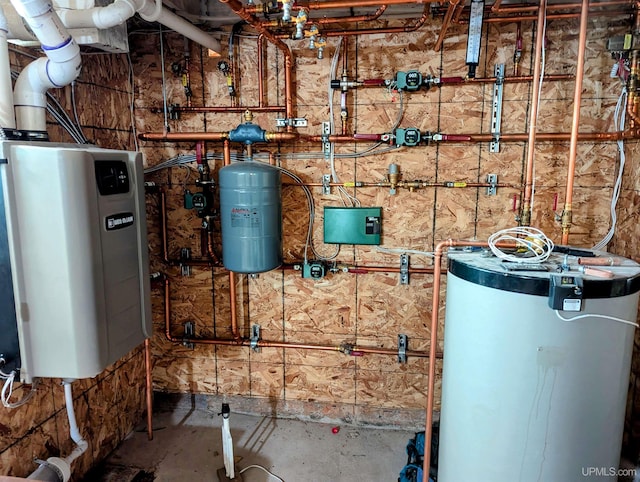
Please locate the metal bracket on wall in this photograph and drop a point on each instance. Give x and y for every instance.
(496, 113)
(255, 337)
(185, 255)
(297, 122)
(404, 269)
(326, 181)
(326, 145)
(493, 180)
(403, 343)
(189, 334)
(174, 111)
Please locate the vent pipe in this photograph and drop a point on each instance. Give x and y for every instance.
(7, 113)
(59, 68)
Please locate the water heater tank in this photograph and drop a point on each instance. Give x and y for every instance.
(526, 395)
(251, 217)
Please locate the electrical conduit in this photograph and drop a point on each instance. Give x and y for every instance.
(7, 113)
(59, 68)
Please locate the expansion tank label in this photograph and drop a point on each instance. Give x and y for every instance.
(119, 221)
(242, 217)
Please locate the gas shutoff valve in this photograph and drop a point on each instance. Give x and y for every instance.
(321, 43)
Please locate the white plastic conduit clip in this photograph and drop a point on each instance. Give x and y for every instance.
(7, 113)
(60, 68)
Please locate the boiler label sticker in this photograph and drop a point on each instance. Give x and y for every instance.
(242, 217)
(119, 221)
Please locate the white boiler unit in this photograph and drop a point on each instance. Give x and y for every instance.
(73, 219)
(536, 369)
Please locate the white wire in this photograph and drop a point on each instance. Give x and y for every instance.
(132, 103)
(618, 122)
(596, 315)
(7, 392)
(542, 67)
(263, 469)
(537, 246)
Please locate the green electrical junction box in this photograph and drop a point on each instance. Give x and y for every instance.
(344, 225)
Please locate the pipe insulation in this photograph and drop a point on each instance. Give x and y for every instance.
(59, 68)
(7, 113)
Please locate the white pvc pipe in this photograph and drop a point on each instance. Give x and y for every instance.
(7, 113)
(180, 25)
(99, 17)
(61, 67)
(74, 431)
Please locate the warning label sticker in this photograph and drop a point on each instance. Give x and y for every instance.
(242, 217)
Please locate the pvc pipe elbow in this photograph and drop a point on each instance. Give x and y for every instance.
(103, 18)
(148, 14)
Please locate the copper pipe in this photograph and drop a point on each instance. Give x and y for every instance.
(435, 308)
(558, 6)
(183, 136)
(281, 136)
(453, 4)
(556, 16)
(210, 250)
(388, 269)
(525, 215)
(355, 19)
(547, 136)
(148, 387)
(226, 152)
(212, 262)
(386, 184)
(274, 344)
(260, 71)
(246, 15)
(230, 109)
(163, 227)
(573, 147)
(518, 78)
(369, 31)
(234, 312)
(291, 136)
(316, 5)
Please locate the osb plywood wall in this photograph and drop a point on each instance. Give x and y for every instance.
(366, 309)
(108, 406)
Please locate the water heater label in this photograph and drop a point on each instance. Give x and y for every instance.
(245, 218)
(119, 221)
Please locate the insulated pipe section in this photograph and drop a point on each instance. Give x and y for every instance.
(60, 68)
(7, 113)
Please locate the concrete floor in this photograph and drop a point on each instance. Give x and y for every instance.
(187, 446)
